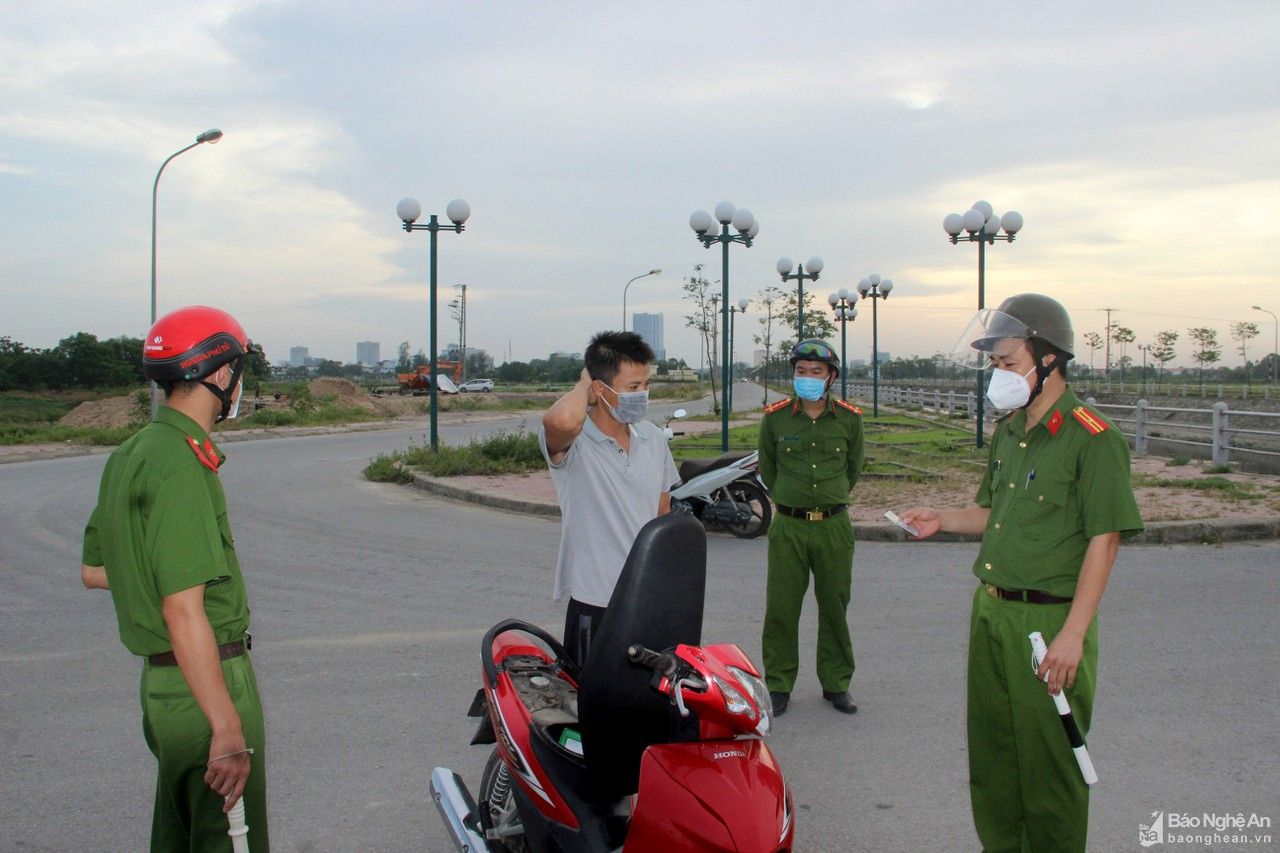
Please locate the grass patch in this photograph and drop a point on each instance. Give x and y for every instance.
(500, 453)
(1218, 469)
(1178, 461)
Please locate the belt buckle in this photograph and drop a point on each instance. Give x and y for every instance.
(991, 590)
(814, 514)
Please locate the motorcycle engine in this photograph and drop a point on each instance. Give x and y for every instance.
(727, 512)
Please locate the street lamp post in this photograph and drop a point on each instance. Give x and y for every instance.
(624, 293)
(982, 226)
(1275, 342)
(875, 288)
(842, 303)
(784, 270)
(740, 308)
(704, 226)
(458, 212)
(1144, 349)
(211, 136)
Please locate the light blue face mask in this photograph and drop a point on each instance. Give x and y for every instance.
(809, 387)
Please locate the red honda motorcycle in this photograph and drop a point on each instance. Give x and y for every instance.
(640, 751)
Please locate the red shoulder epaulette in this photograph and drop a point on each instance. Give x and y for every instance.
(207, 455)
(850, 406)
(1089, 420)
(781, 404)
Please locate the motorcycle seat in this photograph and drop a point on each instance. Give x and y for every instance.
(691, 468)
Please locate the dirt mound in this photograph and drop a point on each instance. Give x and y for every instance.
(111, 412)
(346, 393)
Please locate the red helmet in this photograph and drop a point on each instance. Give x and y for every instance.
(191, 343)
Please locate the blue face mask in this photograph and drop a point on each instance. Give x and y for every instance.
(809, 387)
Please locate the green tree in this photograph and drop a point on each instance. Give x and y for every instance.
(1164, 349)
(1094, 341)
(403, 363)
(1208, 352)
(702, 319)
(1122, 336)
(1243, 333)
(817, 321)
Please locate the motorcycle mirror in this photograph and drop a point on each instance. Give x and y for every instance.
(678, 413)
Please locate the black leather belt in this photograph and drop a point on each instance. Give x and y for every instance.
(812, 514)
(1030, 596)
(226, 651)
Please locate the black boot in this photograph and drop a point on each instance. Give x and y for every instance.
(842, 702)
(779, 701)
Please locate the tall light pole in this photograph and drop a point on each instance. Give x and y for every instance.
(740, 308)
(624, 293)
(1144, 349)
(875, 288)
(458, 307)
(1275, 343)
(458, 212)
(211, 136)
(982, 226)
(704, 227)
(842, 303)
(799, 276)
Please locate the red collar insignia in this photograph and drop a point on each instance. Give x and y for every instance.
(207, 455)
(1055, 421)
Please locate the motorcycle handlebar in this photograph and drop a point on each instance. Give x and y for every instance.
(660, 662)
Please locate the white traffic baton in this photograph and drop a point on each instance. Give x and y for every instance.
(1078, 746)
(237, 828)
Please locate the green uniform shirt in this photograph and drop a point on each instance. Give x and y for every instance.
(810, 463)
(1049, 491)
(160, 527)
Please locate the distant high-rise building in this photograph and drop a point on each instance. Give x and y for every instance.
(649, 327)
(298, 356)
(368, 353)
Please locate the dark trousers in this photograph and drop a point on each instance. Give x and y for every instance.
(581, 621)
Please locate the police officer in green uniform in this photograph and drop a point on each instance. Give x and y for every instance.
(810, 456)
(160, 541)
(1052, 508)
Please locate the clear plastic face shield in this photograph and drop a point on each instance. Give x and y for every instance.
(989, 333)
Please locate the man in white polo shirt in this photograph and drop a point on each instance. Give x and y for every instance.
(612, 471)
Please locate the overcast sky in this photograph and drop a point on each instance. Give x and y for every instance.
(1140, 141)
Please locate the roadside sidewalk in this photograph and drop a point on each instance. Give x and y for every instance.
(534, 494)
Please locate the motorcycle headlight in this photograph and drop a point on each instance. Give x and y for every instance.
(733, 700)
(759, 693)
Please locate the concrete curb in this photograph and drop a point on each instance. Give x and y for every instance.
(1203, 531)
(439, 486)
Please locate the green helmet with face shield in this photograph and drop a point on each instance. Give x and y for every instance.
(996, 331)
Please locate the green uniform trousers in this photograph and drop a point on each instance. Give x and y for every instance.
(796, 548)
(188, 813)
(1024, 784)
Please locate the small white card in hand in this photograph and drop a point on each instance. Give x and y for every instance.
(893, 517)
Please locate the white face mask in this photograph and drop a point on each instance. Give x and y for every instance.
(1008, 390)
(235, 405)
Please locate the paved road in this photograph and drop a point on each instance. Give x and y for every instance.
(370, 601)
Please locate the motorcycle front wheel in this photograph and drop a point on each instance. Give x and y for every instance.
(499, 798)
(746, 492)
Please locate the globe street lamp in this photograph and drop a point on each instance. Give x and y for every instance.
(981, 225)
(842, 303)
(1275, 342)
(708, 234)
(875, 288)
(784, 270)
(458, 212)
(211, 136)
(624, 293)
(740, 308)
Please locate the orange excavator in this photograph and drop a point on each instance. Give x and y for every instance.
(419, 381)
